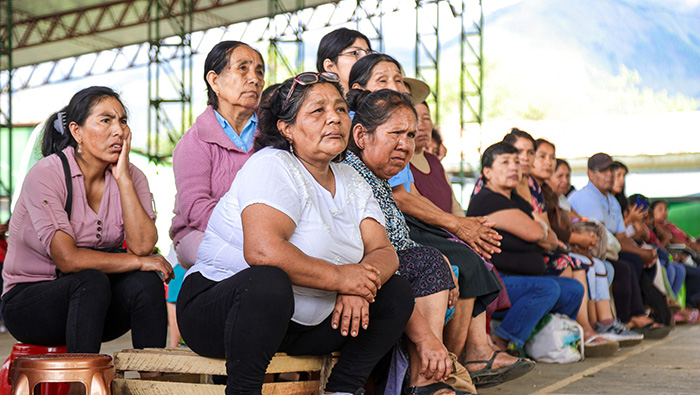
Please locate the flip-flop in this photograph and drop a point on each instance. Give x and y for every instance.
(653, 332)
(430, 389)
(488, 376)
(606, 348)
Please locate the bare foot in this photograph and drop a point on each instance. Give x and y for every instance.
(502, 359)
(640, 321)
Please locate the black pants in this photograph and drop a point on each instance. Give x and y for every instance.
(247, 318)
(625, 288)
(83, 309)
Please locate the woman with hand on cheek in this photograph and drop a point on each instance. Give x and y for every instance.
(66, 279)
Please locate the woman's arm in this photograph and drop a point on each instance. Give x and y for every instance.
(192, 168)
(266, 243)
(70, 259)
(139, 228)
(432, 353)
(550, 242)
(471, 230)
(517, 223)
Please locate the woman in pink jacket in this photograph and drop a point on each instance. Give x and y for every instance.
(209, 155)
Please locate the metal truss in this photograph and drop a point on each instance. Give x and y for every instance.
(171, 45)
(169, 76)
(471, 79)
(6, 186)
(427, 48)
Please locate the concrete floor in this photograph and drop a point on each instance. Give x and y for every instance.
(667, 366)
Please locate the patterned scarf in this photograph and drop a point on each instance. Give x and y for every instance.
(396, 227)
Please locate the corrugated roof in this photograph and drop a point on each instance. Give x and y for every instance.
(46, 30)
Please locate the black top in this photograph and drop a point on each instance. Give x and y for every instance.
(517, 257)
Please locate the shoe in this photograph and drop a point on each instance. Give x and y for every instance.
(598, 346)
(653, 332)
(618, 332)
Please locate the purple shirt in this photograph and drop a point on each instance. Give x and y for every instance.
(40, 212)
(205, 162)
(433, 185)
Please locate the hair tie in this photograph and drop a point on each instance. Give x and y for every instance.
(58, 123)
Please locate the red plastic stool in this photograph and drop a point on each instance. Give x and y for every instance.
(20, 350)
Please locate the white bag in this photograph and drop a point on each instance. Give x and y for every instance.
(556, 339)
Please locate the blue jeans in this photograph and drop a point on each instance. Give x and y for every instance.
(533, 297)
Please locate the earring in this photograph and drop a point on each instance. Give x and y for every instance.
(291, 148)
(79, 150)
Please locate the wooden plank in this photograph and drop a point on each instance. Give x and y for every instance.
(148, 387)
(283, 364)
(292, 388)
(188, 362)
(175, 363)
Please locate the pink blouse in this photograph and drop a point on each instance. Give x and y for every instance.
(40, 212)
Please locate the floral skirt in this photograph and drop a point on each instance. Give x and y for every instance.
(426, 270)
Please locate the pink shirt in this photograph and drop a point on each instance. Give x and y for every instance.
(40, 212)
(205, 162)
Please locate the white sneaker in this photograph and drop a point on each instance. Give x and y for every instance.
(618, 332)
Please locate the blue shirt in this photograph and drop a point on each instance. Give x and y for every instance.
(404, 177)
(591, 203)
(244, 141)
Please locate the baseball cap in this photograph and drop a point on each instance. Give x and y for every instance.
(600, 161)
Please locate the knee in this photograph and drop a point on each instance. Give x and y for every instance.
(572, 290)
(92, 283)
(547, 289)
(397, 295)
(146, 286)
(268, 286)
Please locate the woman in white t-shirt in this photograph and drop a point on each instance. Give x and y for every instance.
(295, 253)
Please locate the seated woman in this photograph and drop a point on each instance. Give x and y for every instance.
(208, 157)
(295, 254)
(661, 236)
(521, 263)
(478, 287)
(678, 236)
(430, 181)
(66, 280)
(601, 278)
(380, 146)
(339, 50)
(595, 306)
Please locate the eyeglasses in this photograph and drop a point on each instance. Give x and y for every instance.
(357, 53)
(310, 78)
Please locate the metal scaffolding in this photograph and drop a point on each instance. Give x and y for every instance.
(170, 47)
(7, 146)
(427, 49)
(169, 76)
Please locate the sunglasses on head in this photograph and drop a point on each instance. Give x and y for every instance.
(310, 78)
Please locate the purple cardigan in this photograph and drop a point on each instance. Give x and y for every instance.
(205, 162)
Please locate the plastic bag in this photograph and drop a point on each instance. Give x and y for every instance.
(556, 339)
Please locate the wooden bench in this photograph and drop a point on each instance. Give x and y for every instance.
(187, 373)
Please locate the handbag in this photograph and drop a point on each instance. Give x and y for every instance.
(556, 339)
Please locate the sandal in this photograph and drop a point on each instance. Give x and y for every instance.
(653, 332)
(488, 376)
(430, 389)
(598, 346)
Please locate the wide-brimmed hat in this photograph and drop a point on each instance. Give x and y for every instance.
(419, 89)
